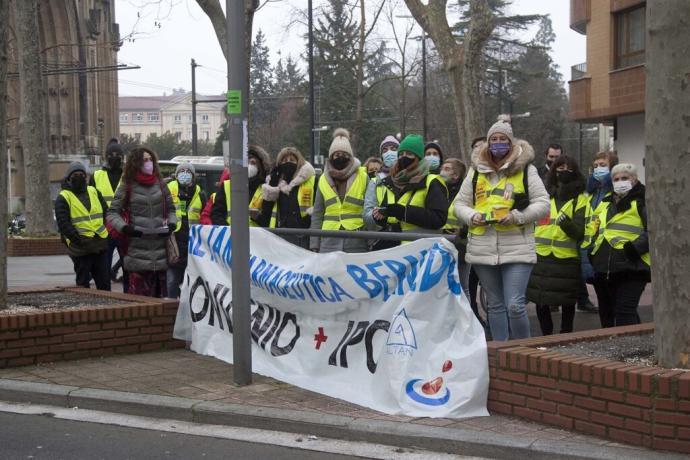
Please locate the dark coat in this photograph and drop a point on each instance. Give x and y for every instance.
(182, 235)
(433, 215)
(80, 245)
(556, 281)
(609, 261)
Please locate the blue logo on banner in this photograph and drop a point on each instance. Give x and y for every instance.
(412, 389)
(401, 332)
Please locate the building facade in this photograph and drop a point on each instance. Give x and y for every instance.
(610, 87)
(140, 116)
(79, 41)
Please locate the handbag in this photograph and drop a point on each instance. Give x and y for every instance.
(171, 247)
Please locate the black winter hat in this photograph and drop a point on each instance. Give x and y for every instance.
(434, 145)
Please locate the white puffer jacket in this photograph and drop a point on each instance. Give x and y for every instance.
(496, 248)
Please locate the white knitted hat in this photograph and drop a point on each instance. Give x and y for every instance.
(502, 126)
(341, 142)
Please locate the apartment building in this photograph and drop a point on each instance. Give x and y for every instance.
(610, 87)
(141, 116)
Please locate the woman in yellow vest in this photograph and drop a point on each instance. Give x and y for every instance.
(80, 213)
(620, 249)
(410, 199)
(288, 195)
(339, 202)
(556, 278)
(500, 199)
(189, 200)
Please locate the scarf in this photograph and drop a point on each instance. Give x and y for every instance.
(145, 179)
(409, 176)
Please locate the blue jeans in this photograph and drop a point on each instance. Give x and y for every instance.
(505, 287)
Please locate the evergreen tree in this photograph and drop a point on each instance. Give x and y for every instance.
(260, 89)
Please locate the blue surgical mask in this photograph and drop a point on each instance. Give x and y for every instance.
(389, 158)
(601, 173)
(432, 161)
(184, 178)
(499, 149)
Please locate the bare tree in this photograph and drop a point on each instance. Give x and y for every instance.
(462, 58)
(667, 121)
(39, 216)
(4, 192)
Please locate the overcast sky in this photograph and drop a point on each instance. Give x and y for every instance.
(168, 34)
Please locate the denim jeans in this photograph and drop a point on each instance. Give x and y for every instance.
(173, 278)
(505, 287)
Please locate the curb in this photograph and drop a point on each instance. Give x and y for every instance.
(458, 441)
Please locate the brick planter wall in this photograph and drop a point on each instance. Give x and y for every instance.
(632, 404)
(21, 247)
(141, 324)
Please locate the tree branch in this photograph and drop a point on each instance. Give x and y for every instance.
(215, 13)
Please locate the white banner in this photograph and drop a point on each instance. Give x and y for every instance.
(389, 330)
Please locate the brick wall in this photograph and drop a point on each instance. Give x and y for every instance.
(141, 324)
(627, 91)
(21, 247)
(639, 405)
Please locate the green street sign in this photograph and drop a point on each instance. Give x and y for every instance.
(234, 102)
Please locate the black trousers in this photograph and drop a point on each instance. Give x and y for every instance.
(92, 266)
(618, 299)
(546, 323)
(474, 287)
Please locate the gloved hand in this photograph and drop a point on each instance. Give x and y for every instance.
(630, 251)
(275, 177)
(395, 210)
(563, 219)
(171, 228)
(130, 231)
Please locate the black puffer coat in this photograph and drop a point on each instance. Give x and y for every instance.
(556, 281)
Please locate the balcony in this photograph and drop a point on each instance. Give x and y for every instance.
(580, 98)
(580, 14)
(578, 71)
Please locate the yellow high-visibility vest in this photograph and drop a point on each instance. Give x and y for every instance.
(409, 198)
(305, 199)
(489, 198)
(623, 227)
(87, 222)
(254, 203)
(591, 222)
(193, 212)
(550, 239)
(348, 213)
(102, 182)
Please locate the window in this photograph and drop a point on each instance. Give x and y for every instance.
(178, 119)
(124, 117)
(178, 136)
(154, 116)
(630, 38)
(137, 117)
(189, 118)
(206, 135)
(204, 118)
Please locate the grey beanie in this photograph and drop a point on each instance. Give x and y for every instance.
(185, 166)
(74, 167)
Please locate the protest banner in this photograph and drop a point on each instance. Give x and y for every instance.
(390, 330)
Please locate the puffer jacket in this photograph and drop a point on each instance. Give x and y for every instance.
(147, 205)
(496, 248)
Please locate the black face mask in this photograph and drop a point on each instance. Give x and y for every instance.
(371, 174)
(340, 162)
(115, 162)
(404, 162)
(78, 183)
(565, 177)
(288, 170)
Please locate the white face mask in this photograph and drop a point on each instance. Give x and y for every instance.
(445, 175)
(252, 171)
(622, 187)
(389, 158)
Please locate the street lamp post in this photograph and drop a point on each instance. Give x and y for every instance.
(311, 83)
(424, 123)
(195, 149)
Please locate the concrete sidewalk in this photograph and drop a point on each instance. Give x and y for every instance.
(180, 384)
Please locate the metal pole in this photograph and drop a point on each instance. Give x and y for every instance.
(195, 149)
(580, 145)
(312, 134)
(238, 93)
(424, 121)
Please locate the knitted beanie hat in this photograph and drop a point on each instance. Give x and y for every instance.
(434, 145)
(74, 167)
(185, 165)
(502, 126)
(341, 142)
(389, 140)
(413, 143)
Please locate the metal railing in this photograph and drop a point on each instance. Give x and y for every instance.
(578, 71)
(359, 234)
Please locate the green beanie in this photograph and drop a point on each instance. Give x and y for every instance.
(412, 143)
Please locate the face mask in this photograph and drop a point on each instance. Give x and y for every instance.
(404, 162)
(287, 170)
(601, 173)
(500, 149)
(147, 168)
(622, 187)
(252, 171)
(432, 161)
(446, 176)
(371, 174)
(389, 158)
(78, 183)
(184, 178)
(340, 162)
(115, 162)
(565, 177)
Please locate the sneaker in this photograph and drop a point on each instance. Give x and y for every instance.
(588, 307)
